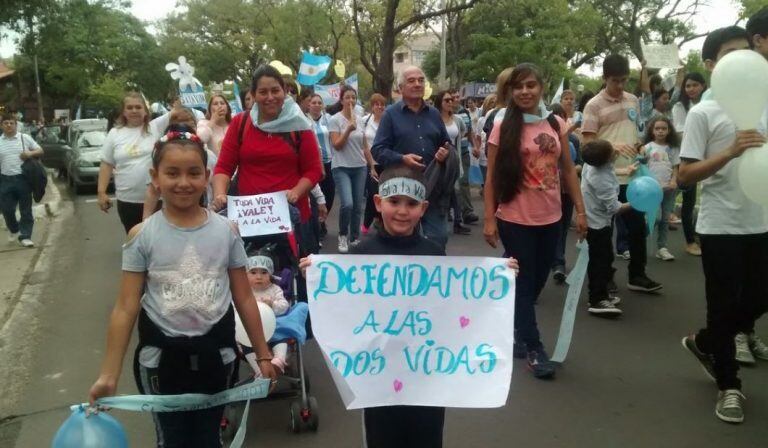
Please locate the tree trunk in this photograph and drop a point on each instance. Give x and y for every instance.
(384, 78)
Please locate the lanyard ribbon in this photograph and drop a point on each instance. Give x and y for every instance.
(575, 282)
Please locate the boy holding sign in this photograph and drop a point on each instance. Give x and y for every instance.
(402, 202)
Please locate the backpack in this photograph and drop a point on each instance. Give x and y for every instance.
(35, 173)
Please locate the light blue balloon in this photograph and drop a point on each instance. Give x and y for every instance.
(645, 194)
(96, 431)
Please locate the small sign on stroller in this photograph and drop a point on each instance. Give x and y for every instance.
(262, 214)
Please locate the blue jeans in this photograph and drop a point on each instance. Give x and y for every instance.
(434, 225)
(534, 248)
(662, 223)
(350, 188)
(15, 191)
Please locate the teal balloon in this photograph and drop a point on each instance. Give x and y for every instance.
(96, 431)
(645, 194)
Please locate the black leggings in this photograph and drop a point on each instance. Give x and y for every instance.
(686, 212)
(371, 188)
(130, 214)
(328, 187)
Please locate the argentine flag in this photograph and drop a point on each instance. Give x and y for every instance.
(312, 69)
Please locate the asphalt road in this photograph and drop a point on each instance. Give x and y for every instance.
(626, 382)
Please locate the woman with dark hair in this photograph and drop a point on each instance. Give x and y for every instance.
(456, 127)
(212, 130)
(321, 125)
(272, 147)
(349, 167)
(526, 152)
(694, 87)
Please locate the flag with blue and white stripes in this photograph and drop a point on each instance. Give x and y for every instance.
(312, 69)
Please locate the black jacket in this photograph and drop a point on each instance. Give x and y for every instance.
(382, 243)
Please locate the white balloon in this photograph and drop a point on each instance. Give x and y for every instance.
(268, 323)
(754, 182)
(740, 86)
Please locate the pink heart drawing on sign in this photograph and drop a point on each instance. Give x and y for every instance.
(398, 385)
(463, 321)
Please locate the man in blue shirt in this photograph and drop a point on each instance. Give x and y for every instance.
(412, 133)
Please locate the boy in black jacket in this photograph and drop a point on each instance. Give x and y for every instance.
(402, 202)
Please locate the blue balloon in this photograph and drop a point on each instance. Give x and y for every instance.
(96, 431)
(644, 194)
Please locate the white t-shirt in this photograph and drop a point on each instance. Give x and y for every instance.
(679, 115)
(351, 155)
(129, 150)
(725, 210)
(661, 161)
(370, 128)
(10, 152)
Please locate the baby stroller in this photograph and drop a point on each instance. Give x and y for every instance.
(290, 328)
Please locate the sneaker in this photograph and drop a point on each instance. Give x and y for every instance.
(614, 300)
(461, 229)
(604, 308)
(693, 249)
(689, 343)
(26, 242)
(729, 406)
(664, 254)
(743, 353)
(559, 275)
(674, 219)
(625, 255)
(343, 244)
(613, 288)
(540, 365)
(470, 218)
(758, 348)
(519, 351)
(13, 237)
(354, 243)
(643, 284)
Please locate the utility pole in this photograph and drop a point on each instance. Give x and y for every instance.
(40, 116)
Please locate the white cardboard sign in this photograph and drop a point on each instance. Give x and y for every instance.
(661, 56)
(426, 331)
(262, 214)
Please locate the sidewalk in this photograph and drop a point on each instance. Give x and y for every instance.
(18, 262)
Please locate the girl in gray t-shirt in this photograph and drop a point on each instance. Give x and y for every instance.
(182, 270)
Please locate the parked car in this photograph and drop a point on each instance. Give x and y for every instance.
(55, 147)
(79, 126)
(84, 159)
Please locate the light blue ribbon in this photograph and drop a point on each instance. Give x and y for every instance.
(258, 388)
(291, 118)
(527, 118)
(575, 282)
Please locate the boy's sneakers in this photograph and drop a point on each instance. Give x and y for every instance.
(604, 308)
(758, 347)
(614, 300)
(540, 365)
(625, 255)
(13, 237)
(664, 254)
(689, 343)
(643, 284)
(26, 242)
(343, 244)
(354, 243)
(743, 353)
(729, 406)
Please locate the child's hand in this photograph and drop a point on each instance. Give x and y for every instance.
(105, 386)
(632, 168)
(625, 207)
(671, 186)
(304, 263)
(322, 212)
(266, 300)
(512, 264)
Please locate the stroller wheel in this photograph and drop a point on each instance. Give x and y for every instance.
(302, 418)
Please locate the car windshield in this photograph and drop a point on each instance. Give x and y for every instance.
(91, 140)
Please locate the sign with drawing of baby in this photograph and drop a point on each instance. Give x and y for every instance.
(426, 331)
(261, 214)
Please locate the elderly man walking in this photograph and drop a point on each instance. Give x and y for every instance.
(412, 133)
(15, 190)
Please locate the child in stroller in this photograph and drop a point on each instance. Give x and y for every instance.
(260, 276)
(290, 334)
